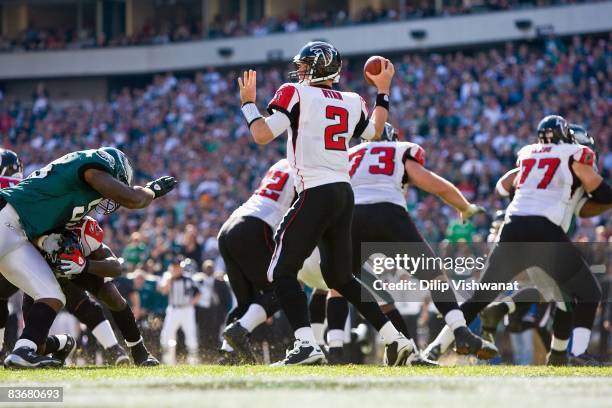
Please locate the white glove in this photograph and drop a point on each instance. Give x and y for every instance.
(470, 211)
(70, 265)
(49, 244)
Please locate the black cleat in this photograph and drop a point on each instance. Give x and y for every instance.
(117, 356)
(557, 358)
(238, 337)
(584, 360)
(142, 357)
(490, 318)
(65, 352)
(335, 355)
(402, 351)
(467, 342)
(303, 353)
(26, 357)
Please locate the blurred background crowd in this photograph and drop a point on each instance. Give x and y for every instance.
(189, 27)
(470, 110)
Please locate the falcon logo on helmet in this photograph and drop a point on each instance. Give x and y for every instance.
(317, 61)
(10, 165)
(554, 129)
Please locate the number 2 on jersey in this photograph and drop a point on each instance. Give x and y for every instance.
(551, 164)
(273, 183)
(332, 140)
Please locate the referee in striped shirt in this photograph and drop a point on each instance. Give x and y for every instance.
(182, 294)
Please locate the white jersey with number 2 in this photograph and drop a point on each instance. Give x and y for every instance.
(546, 185)
(323, 121)
(377, 171)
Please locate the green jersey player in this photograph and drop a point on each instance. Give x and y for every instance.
(59, 194)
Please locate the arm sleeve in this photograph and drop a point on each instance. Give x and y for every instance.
(278, 123)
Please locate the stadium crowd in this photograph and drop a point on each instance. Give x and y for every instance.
(164, 30)
(471, 112)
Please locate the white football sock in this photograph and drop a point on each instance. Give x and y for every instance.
(389, 333)
(444, 340)
(1, 337)
(580, 340)
(226, 347)
(305, 334)
(103, 332)
(455, 319)
(254, 316)
(319, 332)
(335, 338)
(25, 343)
(558, 344)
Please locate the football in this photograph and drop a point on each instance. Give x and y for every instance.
(373, 65)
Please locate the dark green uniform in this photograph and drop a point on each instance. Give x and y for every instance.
(57, 195)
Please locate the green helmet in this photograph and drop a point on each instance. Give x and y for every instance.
(581, 136)
(124, 172)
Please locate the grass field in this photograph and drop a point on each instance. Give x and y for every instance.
(348, 386)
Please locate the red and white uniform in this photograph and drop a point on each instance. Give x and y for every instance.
(322, 122)
(546, 185)
(272, 198)
(6, 182)
(377, 171)
(90, 234)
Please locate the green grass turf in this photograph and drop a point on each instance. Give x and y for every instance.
(314, 387)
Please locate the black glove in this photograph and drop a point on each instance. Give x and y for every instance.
(162, 185)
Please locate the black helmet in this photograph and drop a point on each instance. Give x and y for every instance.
(123, 171)
(389, 133)
(10, 165)
(323, 61)
(554, 129)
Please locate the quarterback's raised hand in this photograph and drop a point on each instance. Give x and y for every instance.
(471, 211)
(382, 81)
(248, 86)
(162, 185)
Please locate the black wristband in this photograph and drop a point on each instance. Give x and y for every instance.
(602, 194)
(382, 100)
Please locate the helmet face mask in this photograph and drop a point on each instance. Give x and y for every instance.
(316, 62)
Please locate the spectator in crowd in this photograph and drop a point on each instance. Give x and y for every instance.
(182, 295)
(152, 307)
(214, 302)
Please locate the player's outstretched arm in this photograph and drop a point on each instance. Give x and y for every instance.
(382, 81)
(103, 262)
(432, 183)
(264, 130)
(129, 197)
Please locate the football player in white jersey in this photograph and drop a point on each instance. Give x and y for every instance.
(534, 231)
(320, 122)
(380, 172)
(246, 243)
(520, 302)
